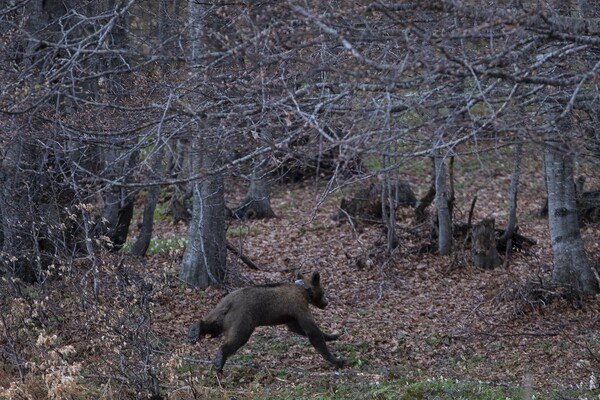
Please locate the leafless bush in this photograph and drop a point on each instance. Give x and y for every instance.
(52, 334)
(534, 295)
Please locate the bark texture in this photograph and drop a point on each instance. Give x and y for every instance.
(571, 266)
(485, 254)
(205, 255)
(443, 209)
(257, 202)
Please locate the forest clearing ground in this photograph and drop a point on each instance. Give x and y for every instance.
(413, 317)
(414, 326)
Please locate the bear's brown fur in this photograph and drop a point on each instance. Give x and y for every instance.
(241, 311)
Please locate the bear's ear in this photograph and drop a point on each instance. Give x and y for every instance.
(316, 278)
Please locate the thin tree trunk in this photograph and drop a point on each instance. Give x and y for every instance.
(118, 205)
(443, 209)
(140, 247)
(389, 202)
(427, 199)
(506, 239)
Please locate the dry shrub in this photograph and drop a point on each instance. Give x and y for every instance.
(533, 295)
(35, 388)
(55, 333)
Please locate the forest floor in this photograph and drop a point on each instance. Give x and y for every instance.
(413, 326)
(408, 318)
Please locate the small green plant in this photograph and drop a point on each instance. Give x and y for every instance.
(165, 246)
(355, 354)
(161, 212)
(31, 292)
(372, 163)
(184, 369)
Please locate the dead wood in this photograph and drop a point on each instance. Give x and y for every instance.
(534, 294)
(365, 204)
(238, 252)
(484, 252)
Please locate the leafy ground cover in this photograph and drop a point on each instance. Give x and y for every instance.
(414, 326)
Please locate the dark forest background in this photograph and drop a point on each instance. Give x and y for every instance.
(437, 161)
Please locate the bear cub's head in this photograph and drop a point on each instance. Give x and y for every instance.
(315, 290)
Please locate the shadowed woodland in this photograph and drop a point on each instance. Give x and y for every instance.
(436, 162)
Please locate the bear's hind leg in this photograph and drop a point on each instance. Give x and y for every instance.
(237, 336)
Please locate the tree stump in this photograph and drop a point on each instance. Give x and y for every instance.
(254, 208)
(257, 203)
(485, 254)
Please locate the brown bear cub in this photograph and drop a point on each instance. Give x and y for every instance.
(241, 311)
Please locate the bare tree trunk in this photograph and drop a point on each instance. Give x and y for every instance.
(205, 255)
(257, 202)
(426, 200)
(571, 266)
(443, 209)
(114, 163)
(140, 247)
(118, 205)
(389, 203)
(506, 239)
